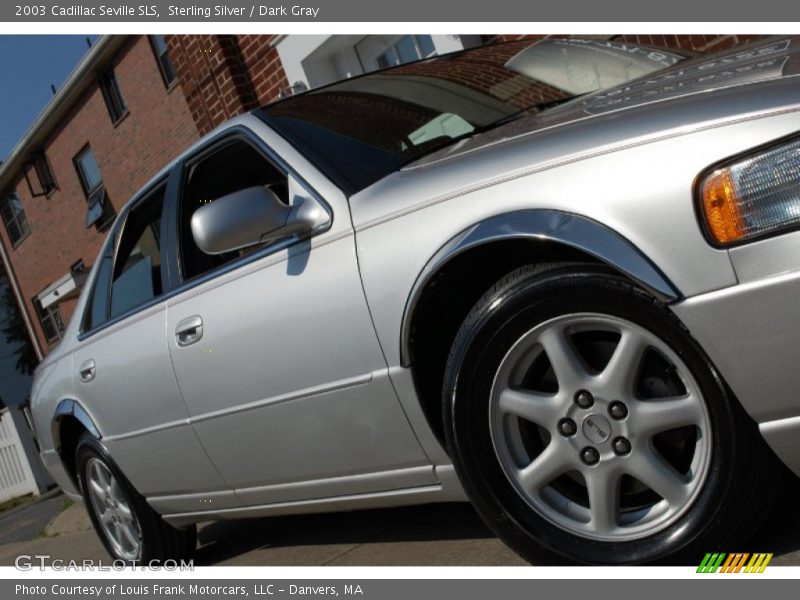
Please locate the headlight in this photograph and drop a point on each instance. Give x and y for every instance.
(753, 196)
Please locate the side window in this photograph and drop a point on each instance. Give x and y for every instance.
(136, 275)
(97, 310)
(234, 166)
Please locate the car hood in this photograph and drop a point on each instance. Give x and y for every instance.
(766, 60)
(696, 93)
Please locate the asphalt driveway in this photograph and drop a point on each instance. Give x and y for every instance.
(22, 524)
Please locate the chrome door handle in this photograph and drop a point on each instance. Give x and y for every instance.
(87, 371)
(189, 331)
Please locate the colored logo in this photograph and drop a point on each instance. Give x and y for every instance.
(739, 562)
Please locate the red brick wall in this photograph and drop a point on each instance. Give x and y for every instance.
(158, 126)
(264, 65)
(225, 75)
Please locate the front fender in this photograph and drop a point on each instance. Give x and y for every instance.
(557, 226)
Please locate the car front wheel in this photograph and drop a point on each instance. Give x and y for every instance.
(586, 424)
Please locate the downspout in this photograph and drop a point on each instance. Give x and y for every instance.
(12, 280)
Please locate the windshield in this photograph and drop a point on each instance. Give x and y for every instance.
(359, 130)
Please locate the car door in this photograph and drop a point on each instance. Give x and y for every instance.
(123, 376)
(274, 348)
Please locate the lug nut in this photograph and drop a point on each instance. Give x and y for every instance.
(590, 456)
(584, 399)
(618, 410)
(621, 446)
(567, 427)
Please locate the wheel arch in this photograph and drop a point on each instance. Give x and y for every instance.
(461, 271)
(69, 422)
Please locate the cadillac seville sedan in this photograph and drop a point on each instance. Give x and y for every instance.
(556, 279)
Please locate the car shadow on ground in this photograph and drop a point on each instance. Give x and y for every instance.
(225, 540)
(781, 531)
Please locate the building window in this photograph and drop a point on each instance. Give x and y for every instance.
(403, 50)
(99, 212)
(51, 320)
(14, 218)
(44, 172)
(165, 66)
(88, 171)
(115, 103)
(44, 175)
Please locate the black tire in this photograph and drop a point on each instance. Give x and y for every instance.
(742, 479)
(159, 540)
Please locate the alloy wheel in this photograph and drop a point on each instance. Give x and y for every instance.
(600, 427)
(113, 510)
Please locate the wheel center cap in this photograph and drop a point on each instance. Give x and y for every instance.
(596, 428)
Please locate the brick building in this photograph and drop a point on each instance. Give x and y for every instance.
(112, 125)
(134, 102)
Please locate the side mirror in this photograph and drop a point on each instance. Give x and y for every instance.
(252, 216)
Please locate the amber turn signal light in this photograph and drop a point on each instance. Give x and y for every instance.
(721, 205)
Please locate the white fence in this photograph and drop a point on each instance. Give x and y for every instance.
(16, 476)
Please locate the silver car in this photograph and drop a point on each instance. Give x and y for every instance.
(557, 279)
